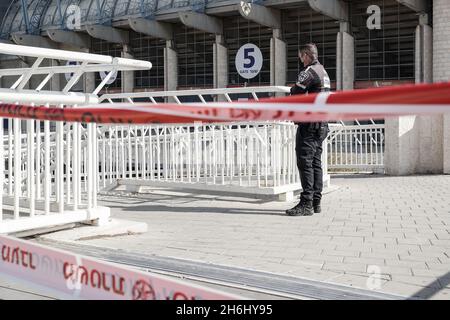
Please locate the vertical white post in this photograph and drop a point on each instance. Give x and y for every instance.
(143, 158)
(197, 149)
(136, 153)
(103, 166)
(2, 163)
(239, 150)
(110, 145)
(223, 151)
(172, 148)
(213, 154)
(122, 151)
(10, 157)
(60, 166)
(38, 160)
(47, 187)
(94, 164)
(130, 158)
(69, 165)
(205, 154)
(158, 153)
(166, 140)
(90, 165)
(17, 167)
(76, 166)
(232, 153)
(31, 171)
(179, 151)
(266, 156)
(150, 152)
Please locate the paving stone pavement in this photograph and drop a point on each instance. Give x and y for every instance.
(390, 234)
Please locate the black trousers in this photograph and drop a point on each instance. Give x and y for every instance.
(308, 149)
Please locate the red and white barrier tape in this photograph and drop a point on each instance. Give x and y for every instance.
(76, 276)
(347, 105)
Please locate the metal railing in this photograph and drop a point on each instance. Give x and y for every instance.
(47, 169)
(197, 95)
(356, 147)
(257, 158)
(253, 157)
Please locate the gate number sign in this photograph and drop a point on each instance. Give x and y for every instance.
(248, 61)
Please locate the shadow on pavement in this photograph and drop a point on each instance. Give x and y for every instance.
(211, 210)
(434, 287)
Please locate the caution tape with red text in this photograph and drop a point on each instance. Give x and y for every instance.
(374, 103)
(75, 276)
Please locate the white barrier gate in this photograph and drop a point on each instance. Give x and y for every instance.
(47, 169)
(244, 157)
(356, 147)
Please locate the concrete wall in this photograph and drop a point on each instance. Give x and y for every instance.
(127, 76)
(426, 136)
(401, 145)
(424, 54)
(345, 61)
(278, 60)
(170, 67)
(441, 64)
(220, 52)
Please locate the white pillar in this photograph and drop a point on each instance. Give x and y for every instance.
(424, 51)
(401, 145)
(170, 67)
(430, 127)
(220, 52)
(127, 76)
(441, 65)
(278, 59)
(415, 144)
(345, 58)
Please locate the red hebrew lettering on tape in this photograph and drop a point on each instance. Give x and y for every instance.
(93, 278)
(15, 256)
(283, 114)
(121, 285)
(18, 256)
(245, 114)
(99, 277)
(5, 253)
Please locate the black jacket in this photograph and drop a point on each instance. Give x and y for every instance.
(313, 78)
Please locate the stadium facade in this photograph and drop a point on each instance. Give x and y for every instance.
(193, 44)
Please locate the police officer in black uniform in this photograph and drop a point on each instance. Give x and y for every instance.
(310, 135)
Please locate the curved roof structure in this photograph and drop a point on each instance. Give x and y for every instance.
(50, 14)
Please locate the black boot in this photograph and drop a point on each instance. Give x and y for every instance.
(304, 208)
(317, 207)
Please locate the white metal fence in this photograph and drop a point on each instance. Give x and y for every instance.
(197, 95)
(352, 147)
(48, 169)
(257, 158)
(47, 175)
(254, 157)
(356, 147)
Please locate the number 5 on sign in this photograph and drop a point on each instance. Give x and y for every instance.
(248, 61)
